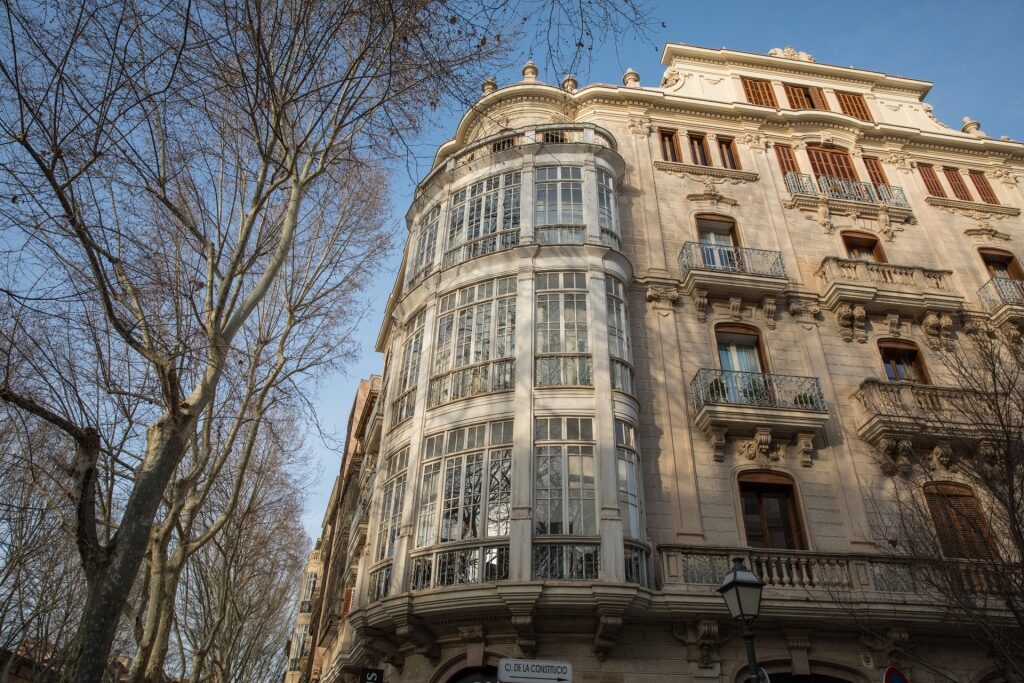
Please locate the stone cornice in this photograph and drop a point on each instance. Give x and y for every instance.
(712, 171)
(971, 208)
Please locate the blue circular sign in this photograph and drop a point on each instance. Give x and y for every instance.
(894, 675)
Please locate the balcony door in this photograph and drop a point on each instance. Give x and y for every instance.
(831, 163)
(770, 517)
(718, 244)
(739, 356)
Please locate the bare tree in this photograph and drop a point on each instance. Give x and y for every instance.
(164, 168)
(953, 509)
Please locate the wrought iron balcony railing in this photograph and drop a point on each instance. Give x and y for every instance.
(786, 392)
(459, 566)
(1001, 291)
(568, 560)
(473, 380)
(699, 256)
(841, 188)
(480, 246)
(570, 369)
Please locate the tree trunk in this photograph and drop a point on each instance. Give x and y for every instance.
(111, 579)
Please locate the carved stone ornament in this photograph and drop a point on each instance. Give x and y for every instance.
(790, 53)
(892, 321)
(662, 296)
(717, 438)
(700, 304)
(768, 307)
(761, 448)
(931, 114)
(754, 141)
(736, 308)
(640, 125)
(672, 78)
(702, 639)
(938, 327)
(986, 231)
(804, 307)
(1006, 175)
(901, 161)
(941, 458)
(895, 455)
(804, 445)
(852, 321)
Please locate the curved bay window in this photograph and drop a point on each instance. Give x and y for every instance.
(426, 242)
(902, 361)
(474, 351)
(960, 525)
(770, 517)
(484, 218)
(628, 465)
(465, 496)
(562, 346)
(558, 205)
(607, 215)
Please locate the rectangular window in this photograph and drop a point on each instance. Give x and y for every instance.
(669, 145)
(983, 187)
(562, 330)
(393, 494)
(902, 363)
(787, 160)
(957, 184)
(628, 464)
(931, 181)
(607, 217)
(484, 218)
(621, 367)
(475, 329)
(759, 92)
(698, 149)
(805, 97)
(558, 198)
(727, 150)
(564, 492)
(960, 525)
(853, 104)
(408, 375)
(769, 516)
(426, 243)
(875, 171)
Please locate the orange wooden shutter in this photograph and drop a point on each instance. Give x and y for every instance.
(959, 523)
(875, 171)
(346, 604)
(956, 182)
(829, 163)
(931, 181)
(796, 97)
(818, 99)
(759, 92)
(982, 186)
(787, 160)
(853, 104)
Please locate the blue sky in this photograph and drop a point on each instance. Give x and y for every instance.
(972, 53)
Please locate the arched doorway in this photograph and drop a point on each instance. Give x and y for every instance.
(476, 674)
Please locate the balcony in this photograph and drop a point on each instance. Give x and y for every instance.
(479, 246)
(460, 566)
(1003, 299)
(744, 401)
(730, 271)
(848, 197)
(474, 380)
(834, 577)
(886, 286)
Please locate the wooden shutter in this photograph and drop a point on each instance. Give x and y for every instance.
(759, 92)
(797, 98)
(931, 181)
(346, 604)
(982, 186)
(818, 99)
(875, 171)
(825, 162)
(956, 182)
(959, 522)
(669, 146)
(787, 160)
(853, 104)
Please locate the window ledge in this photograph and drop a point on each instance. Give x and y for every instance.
(679, 169)
(959, 205)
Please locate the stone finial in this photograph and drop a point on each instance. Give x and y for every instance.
(972, 127)
(569, 83)
(631, 79)
(530, 71)
(490, 85)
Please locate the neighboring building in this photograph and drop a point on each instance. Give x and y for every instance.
(641, 330)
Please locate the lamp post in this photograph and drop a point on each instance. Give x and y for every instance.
(741, 591)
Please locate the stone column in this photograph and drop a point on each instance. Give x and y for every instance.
(521, 526)
(526, 194)
(590, 209)
(645, 212)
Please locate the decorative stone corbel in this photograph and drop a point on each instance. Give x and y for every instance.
(895, 455)
(702, 638)
(804, 307)
(894, 642)
(520, 601)
(941, 458)
(717, 438)
(607, 634)
(422, 638)
(640, 126)
(901, 162)
(798, 642)
(886, 227)
(825, 217)
(761, 448)
(804, 444)
(768, 308)
(662, 296)
(735, 308)
(892, 320)
(852, 321)
(754, 141)
(700, 304)
(384, 648)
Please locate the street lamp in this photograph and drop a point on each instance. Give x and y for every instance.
(741, 591)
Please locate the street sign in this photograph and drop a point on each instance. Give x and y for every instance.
(371, 676)
(533, 671)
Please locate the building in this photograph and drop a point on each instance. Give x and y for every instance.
(640, 330)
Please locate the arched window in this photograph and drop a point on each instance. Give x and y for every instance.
(902, 361)
(862, 246)
(1001, 264)
(959, 522)
(770, 516)
(718, 242)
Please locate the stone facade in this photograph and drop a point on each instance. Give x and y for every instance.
(628, 320)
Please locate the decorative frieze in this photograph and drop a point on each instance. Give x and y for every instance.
(975, 210)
